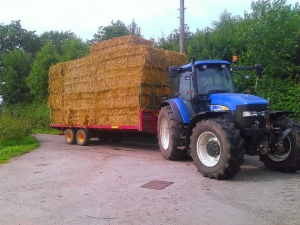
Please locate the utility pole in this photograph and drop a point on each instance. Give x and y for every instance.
(181, 36)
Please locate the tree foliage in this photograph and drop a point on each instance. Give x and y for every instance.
(58, 39)
(269, 35)
(171, 41)
(74, 49)
(37, 80)
(13, 36)
(16, 67)
(116, 29)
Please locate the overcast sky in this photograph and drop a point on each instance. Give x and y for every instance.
(85, 16)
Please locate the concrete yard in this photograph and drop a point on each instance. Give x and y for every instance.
(101, 184)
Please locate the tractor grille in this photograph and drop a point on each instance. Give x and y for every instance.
(247, 122)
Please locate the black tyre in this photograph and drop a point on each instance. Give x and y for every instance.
(289, 159)
(116, 137)
(169, 135)
(82, 137)
(70, 136)
(217, 148)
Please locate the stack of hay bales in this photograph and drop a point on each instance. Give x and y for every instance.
(112, 84)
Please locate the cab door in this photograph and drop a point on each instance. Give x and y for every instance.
(185, 92)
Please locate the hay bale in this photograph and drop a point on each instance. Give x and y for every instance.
(117, 44)
(112, 84)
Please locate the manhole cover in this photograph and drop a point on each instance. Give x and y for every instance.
(157, 184)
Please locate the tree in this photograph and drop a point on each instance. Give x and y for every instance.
(272, 38)
(74, 48)
(221, 41)
(133, 28)
(58, 39)
(37, 80)
(16, 67)
(116, 29)
(13, 36)
(171, 42)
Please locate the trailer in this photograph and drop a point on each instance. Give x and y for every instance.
(117, 88)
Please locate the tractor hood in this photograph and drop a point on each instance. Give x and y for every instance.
(231, 100)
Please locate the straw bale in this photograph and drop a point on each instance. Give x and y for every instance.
(57, 116)
(55, 101)
(116, 44)
(111, 85)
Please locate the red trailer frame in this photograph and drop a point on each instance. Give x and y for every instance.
(147, 123)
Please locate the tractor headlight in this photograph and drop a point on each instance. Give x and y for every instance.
(249, 113)
(217, 108)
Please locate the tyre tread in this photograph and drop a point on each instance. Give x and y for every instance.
(235, 157)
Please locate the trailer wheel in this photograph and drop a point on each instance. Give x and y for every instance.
(289, 159)
(83, 137)
(169, 135)
(70, 136)
(116, 137)
(217, 148)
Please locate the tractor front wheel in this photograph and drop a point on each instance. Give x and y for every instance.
(217, 148)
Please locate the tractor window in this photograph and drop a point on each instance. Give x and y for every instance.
(214, 80)
(185, 86)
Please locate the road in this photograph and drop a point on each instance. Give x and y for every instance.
(102, 184)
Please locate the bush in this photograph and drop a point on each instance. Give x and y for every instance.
(283, 95)
(12, 128)
(36, 114)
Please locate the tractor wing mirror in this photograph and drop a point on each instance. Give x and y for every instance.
(258, 69)
(173, 71)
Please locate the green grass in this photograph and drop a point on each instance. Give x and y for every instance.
(46, 131)
(13, 148)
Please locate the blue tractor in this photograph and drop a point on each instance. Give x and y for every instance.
(206, 117)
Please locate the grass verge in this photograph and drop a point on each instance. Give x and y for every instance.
(12, 148)
(46, 131)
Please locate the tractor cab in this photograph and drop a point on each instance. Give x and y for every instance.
(209, 77)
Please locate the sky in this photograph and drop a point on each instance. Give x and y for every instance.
(154, 17)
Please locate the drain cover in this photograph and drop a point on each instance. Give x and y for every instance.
(157, 184)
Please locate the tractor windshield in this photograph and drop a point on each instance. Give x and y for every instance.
(214, 80)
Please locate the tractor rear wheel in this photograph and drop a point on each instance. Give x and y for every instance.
(169, 135)
(82, 137)
(289, 159)
(217, 148)
(70, 136)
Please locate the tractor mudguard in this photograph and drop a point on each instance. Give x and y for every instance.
(276, 114)
(178, 108)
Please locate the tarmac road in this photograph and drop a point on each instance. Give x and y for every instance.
(101, 184)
